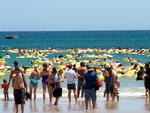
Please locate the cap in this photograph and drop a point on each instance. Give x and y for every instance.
(69, 65)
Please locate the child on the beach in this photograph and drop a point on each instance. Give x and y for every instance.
(5, 86)
(116, 86)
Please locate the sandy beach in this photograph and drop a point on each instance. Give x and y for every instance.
(126, 105)
(132, 100)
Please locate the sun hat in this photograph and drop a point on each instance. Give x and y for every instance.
(107, 66)
(35, 66)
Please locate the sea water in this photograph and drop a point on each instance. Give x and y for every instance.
(80, 39)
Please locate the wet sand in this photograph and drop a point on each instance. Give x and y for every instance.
(126, 105)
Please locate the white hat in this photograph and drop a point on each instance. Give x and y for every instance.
(35, 66)
(107, 66)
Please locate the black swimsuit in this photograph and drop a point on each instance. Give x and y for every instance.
(109, 84)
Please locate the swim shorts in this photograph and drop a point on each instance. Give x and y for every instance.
(71, 86)
(109, 88)
(5, 91)
(19, 95)
(80, 83)
(90, 93)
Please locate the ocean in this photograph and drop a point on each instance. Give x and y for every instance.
(80, 39)
(77, 39)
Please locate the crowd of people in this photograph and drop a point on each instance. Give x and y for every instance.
(53, 77)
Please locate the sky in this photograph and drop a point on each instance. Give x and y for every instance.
(72, 15)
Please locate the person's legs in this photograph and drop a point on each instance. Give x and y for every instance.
(75, 96)
(104, 93)
(94, 104)
(51, 89)
(146, 93)
(78, 93)
(115, 95)
(86, 104)
(56, 101)
(112, 92)
(44, 90)
(93, 97)
(82, 93)
(90, 102)
(149, 94)
(112, 96)
(16, 105)
(107, 92)
(35, 89)
(5, 97)
(117, 98)
(19, 95)
(22, 108)
(31, 87)
(69, 95)
(79, 88)
(86, 99)
(107, 97)
(146, 89)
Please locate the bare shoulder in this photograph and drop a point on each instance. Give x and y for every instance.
(41, 72)
(114, 72)
(117, 83)
(105, 72)
(20, 71)
(32, 73)
(12, 69)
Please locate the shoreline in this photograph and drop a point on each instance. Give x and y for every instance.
(123, 93)
(138, 105)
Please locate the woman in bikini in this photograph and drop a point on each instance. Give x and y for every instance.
(51, 82)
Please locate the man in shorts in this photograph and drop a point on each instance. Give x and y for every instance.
(80, 73)
(90, 91)
(71, 75)
(19, 86)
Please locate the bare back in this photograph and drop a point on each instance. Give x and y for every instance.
(81, 71)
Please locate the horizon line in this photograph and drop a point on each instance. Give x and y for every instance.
(67, 30)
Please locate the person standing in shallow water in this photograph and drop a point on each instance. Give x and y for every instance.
(45, 74)
(116, 86)
(5, 85)
(109, 75)
(80, 73)
(71, 75)
(19, 86)
(51, 82)
(58, 90)
(34, 81)
(90, 91)
(146, 78)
